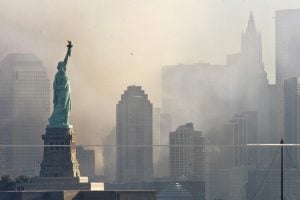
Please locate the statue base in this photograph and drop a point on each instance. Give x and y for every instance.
(59, 158)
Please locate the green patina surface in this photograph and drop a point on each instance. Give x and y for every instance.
(62, 95)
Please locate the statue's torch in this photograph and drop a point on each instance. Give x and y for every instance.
(70, 45)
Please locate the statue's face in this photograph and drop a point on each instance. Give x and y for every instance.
(59, 66)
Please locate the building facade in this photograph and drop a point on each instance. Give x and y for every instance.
(156, 139)
(287, 38)
(109, 156)
(248, 83)
(134, 135)
(287, 47)
(250, 90)
(187, 153)
(86, 159)
(163, 161)
(24, 105)
(292, 120)
(241, 130)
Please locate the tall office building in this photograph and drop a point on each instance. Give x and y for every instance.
(87, 163)
(109, 156)
(24, 105)
(156, 139)
(248, 82)
(287, 40)
(134, 136)
(287, 44)
(241, 130)
(163, 161)
(228, 166)
(292, 120)
(250, 86)
(156, 133)
(187, 153)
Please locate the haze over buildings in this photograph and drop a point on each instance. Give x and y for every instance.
(188, 92)
(24, 105)
(157, 33)
(218, 72)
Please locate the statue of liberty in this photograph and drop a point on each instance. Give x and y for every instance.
(62, 95)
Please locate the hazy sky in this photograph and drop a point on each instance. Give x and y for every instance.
(123, 42)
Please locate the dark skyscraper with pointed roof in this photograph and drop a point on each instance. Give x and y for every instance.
(134, 136)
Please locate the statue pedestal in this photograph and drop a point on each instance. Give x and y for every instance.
(59, 158)
(60, 168)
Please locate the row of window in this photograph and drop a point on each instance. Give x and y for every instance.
(31, 75)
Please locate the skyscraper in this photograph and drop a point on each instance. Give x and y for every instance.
(248, 83)
(187, 153)
(241, 130)
(109, 156)
(165, 129)
(292, 120)
(156, 138)
(249, 88)
(134, 136)
(287, 44)
(24, 105)
(86, 159)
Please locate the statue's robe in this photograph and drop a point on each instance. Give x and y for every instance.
(61, 100)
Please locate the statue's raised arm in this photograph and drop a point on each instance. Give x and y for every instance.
(65, 62)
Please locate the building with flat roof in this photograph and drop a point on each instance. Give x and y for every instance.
(287, 38)
(86, 159)
(186, 153)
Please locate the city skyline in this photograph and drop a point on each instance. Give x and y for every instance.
(166, 96)
(100, 41)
